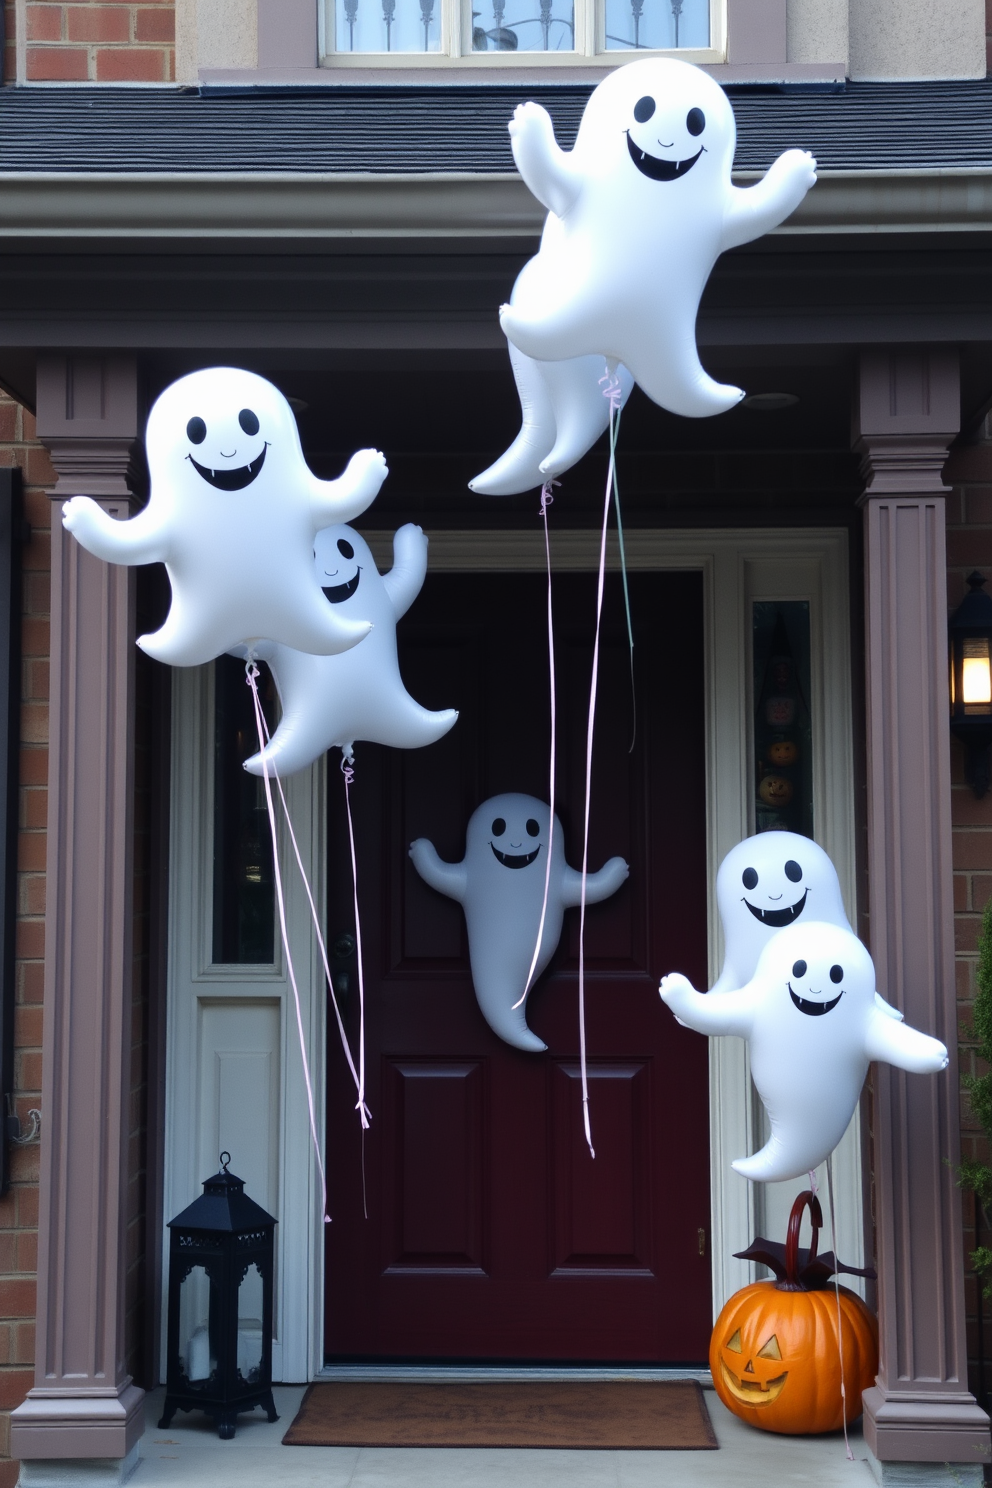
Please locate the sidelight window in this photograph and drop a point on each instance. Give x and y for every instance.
(470, 31)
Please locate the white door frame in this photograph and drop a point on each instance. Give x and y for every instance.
(738, 566)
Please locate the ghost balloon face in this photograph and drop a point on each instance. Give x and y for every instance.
(764, 884)
(813, 1024)
(232, 514)
(332, 701)
(643, 206)
(500, 885)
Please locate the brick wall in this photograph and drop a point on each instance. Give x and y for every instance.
(969, 546)
(19, 1206)
(98, 41)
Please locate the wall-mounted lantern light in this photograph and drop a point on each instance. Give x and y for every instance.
(220, 1305)
(971, 681)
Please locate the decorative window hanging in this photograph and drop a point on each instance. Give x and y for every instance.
(783, 736)
(244, 897)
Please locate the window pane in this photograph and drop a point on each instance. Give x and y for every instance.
(523, 26)
(783, 735)
(244, 899)
(387, 25)
(657, 23)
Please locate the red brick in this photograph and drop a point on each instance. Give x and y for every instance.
(98, 23)
(14, 1386)
(38, 467)
(960, 880)
(27, 1027)
(970, 547)
(31, 850)
(27, 1207)
(9, 1474)
(8, 420)
(970, 462)
(968, 811)
(130, 65)
(23, 1343)
(155, 25)
(34, 723)
(34, 766)
(35, 685)
(972, 849)
(28, 1073)
(31, 982)
(978, 505)
(27, 1262)
(49, 64)
(18, 1295)
(34, 808)
(24, 1168)
(44, 22)
(30, 938)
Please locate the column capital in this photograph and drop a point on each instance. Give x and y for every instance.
(87, 417)
(907, 414)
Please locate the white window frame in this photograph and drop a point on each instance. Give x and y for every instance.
(455, 49)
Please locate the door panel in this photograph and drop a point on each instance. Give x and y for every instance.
(491, 1233)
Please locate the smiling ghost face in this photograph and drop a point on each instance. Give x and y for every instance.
(820, 969)
(230, 451)
(776, 896)
(668, 118)
(515, 843)
(337, 564)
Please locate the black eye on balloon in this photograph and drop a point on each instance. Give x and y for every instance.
(793, 872)
(345, 548)
(836, 973)
(196, 431)
(533, 828)
(499, 827)
(248, 421)
(644, 108)
(799, 968)
(695, 121)
(749, 878)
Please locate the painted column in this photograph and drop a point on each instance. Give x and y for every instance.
(920, 1410)
(84, 1404)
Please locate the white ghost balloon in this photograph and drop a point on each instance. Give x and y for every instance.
(330, 701)
(645, 205)
(812, 1025)
(765, 883)
(232, 514)
(500, 886)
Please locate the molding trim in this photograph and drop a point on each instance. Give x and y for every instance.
(175, 206)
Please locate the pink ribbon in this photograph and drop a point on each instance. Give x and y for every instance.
(349, 774)
(546, 499)
(252, 674)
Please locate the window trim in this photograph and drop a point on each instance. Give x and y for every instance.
(590, 49)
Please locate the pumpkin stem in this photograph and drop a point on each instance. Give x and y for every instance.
(806, 1200)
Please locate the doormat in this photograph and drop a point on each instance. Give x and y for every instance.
(635, 1414)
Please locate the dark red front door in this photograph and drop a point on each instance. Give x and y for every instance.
(491, 1233)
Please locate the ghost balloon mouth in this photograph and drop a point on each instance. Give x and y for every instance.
(657, 169)
(230, 480)
(338, 593)
(776, 918)
(515, 860)
(813, 1009)
(753, 1392)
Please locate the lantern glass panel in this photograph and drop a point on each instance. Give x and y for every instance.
(250, 1325)
(196, 1348)
(976, 675)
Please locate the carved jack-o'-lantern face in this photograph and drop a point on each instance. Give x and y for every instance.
(760, 1379)
(775, 790)
(783, 752)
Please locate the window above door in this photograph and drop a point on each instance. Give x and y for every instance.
(494, 33)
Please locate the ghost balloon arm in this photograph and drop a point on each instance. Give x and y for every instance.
(754, 210)
(599, 885)
(405, 579)
(547, 171)
(892, 1042)
(709, 1012)
(137, 540)
(347, 497)
(447, 878)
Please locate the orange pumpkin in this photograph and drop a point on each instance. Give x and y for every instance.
(783, 752)
(775, 790)
(775, 1353)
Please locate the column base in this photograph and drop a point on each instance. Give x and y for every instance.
(926, 1474)
(51, 1426)
(88, 1472)
(907, 1430)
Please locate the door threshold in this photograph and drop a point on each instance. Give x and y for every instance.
(446, 1374)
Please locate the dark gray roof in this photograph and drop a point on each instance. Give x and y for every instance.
(458, 127)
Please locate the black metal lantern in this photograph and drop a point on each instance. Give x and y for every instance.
(971, 681)
(220, 1305)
